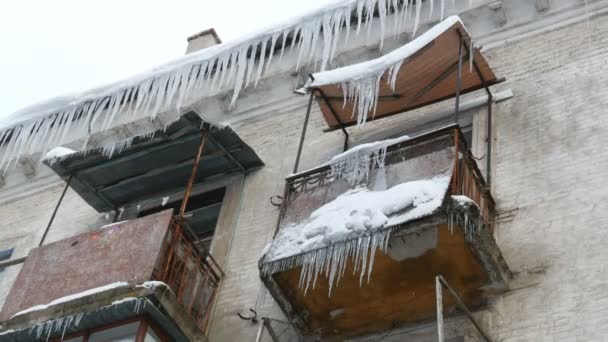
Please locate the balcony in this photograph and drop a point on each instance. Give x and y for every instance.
(150, 260)
(360, 240)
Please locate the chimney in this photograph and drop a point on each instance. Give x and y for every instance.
(202, 40)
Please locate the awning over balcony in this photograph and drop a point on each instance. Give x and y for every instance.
(423, 72)
(155, 165)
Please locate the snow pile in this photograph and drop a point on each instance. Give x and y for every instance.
(72, 297)
(356, 163)
(360, 82)
(354, 225)
(463, 201)
(57, 152)
(175, 85)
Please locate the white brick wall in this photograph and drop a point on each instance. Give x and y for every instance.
(550, 161)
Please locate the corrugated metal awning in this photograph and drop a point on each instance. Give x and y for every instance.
(153, 166)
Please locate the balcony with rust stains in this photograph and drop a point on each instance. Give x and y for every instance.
(361, 239)
(147, 267)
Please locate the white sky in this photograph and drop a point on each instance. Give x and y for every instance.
(53, 47)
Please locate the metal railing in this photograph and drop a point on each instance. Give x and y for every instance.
(193, 276)
(469, 181)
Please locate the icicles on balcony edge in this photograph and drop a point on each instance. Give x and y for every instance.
(331, 261)
(179, 84)
(64, 323)
(465, 215)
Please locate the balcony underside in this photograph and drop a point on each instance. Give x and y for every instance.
(401, 289)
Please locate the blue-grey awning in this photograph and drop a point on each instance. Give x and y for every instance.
(156, 165)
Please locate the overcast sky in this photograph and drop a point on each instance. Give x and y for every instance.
(52, 47)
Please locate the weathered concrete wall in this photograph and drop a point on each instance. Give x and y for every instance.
(549, 162)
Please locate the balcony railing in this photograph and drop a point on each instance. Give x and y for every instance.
(193, 277)
(452, 239)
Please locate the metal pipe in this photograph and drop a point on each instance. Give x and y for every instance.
(197, 159)
(48, 226)
(463, 307)
(439, 297)
(459, 80)
(489, 118)
(489, 141)
(258, 338)
(303, 135)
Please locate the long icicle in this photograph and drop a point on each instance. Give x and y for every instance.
(170, 87)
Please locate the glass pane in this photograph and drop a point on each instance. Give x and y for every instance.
(121, 333)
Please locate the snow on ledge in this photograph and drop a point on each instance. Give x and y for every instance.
(57, 152)
(354, 225)
(72, 297)
(359, 211)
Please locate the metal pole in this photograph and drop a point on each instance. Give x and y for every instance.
(271, 331)
(459, 80)
(260, 332)
(295, 167)
(489, 142)
(463, 307)
(197, 159)
(48, 226)
(439, 297)
(489, 118)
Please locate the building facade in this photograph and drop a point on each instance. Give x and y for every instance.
(546, 171)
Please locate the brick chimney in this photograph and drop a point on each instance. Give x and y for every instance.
(202, 40)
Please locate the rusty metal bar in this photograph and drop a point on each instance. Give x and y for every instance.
(458, 80)
(455, 189)
(336, 117)
(489, 117)
(440, 281)
(201, 146)
(48, 226)
(271, 331)
(303, 135)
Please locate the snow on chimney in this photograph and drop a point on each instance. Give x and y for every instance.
(202, 40)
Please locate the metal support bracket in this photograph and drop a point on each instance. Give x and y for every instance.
(440, 283)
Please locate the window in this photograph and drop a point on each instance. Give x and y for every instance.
(136, 330)
(202, 213)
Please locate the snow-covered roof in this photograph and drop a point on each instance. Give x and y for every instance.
(179, 83)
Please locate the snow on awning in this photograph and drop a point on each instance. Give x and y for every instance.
(417, 74)
(154, 165)
(314, 37)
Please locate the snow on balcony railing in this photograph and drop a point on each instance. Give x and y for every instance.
(347, 208)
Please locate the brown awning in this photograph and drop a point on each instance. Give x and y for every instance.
(427, 76)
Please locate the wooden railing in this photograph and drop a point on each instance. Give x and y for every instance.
(193, 276)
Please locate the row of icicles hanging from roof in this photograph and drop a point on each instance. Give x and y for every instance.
(313, 38)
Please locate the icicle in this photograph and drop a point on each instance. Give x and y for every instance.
(417, 19)
(204, 73)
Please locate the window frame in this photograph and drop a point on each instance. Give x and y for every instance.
(145, 323)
